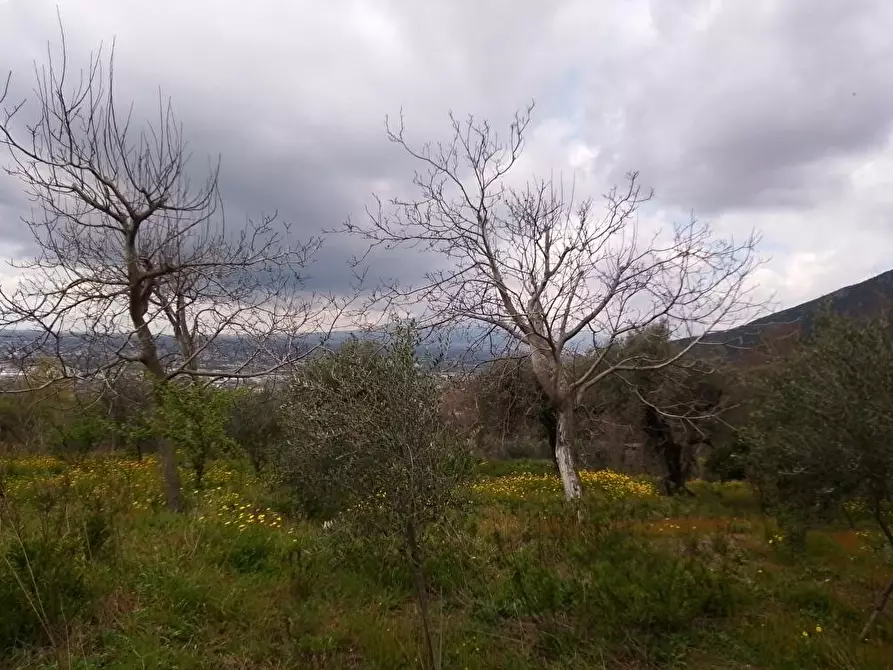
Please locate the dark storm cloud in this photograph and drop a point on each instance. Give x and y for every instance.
(775, 114)
(751, 106)
(12, 204)
(307, 142)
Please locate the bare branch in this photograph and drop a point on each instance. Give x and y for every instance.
(548, 270)
(135, 261)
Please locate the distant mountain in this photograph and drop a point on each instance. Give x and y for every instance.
(865, 299)
(468, 346)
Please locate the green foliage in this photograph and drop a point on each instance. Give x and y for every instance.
(365, 437)
(194, 417)
(729, 461)
(46, 556)
(18, 419)
(127, 402)
(619, 589)
(820, 432)
(80, 432)
(674, 408)
(42, 583)
(368, 443)
(38, 420)
(71, 420)
(256, 424)
(519, 466)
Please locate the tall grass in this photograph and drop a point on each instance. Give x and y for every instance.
(96, 574)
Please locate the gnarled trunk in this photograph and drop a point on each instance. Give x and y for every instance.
(564, 455)
(659, 436)
(549, 421)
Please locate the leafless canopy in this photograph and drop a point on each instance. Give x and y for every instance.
(552, 272)
(130, 246)
(546, 270)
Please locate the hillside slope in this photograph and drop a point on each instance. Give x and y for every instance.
(865, 299)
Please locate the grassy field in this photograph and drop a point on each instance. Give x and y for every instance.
(96, 574)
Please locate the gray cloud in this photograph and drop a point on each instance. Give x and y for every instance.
(759, 113)
(752, 104)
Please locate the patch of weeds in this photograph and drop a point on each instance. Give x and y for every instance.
(43, 588)
(818, 604)
(616, 589)
(250, 551)
(378, 561)
(502, 468)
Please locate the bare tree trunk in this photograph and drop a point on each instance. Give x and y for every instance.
(167, 453)
(564, 457)
(421, 591)
(170, 475)
(549, 421)
(139, 292)
(114, 207)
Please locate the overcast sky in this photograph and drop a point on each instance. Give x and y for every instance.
(769, 114)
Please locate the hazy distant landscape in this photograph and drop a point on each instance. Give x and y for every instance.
(465, 347)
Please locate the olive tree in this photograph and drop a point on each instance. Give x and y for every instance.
(677, 408)
(548, 272)
(820, 429)
(366, 440)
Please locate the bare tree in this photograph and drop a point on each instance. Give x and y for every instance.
(130, 249)
(548, 272)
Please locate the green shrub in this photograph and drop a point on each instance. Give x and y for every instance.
(729, 461)
(255, 424)
(194, 417)
(594, 580)
(79, 433)
(368, 446)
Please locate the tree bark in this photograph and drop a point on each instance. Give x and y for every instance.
(170, 475)
(549, 422)
(553, 386)
(570, 480)
(140, 290)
